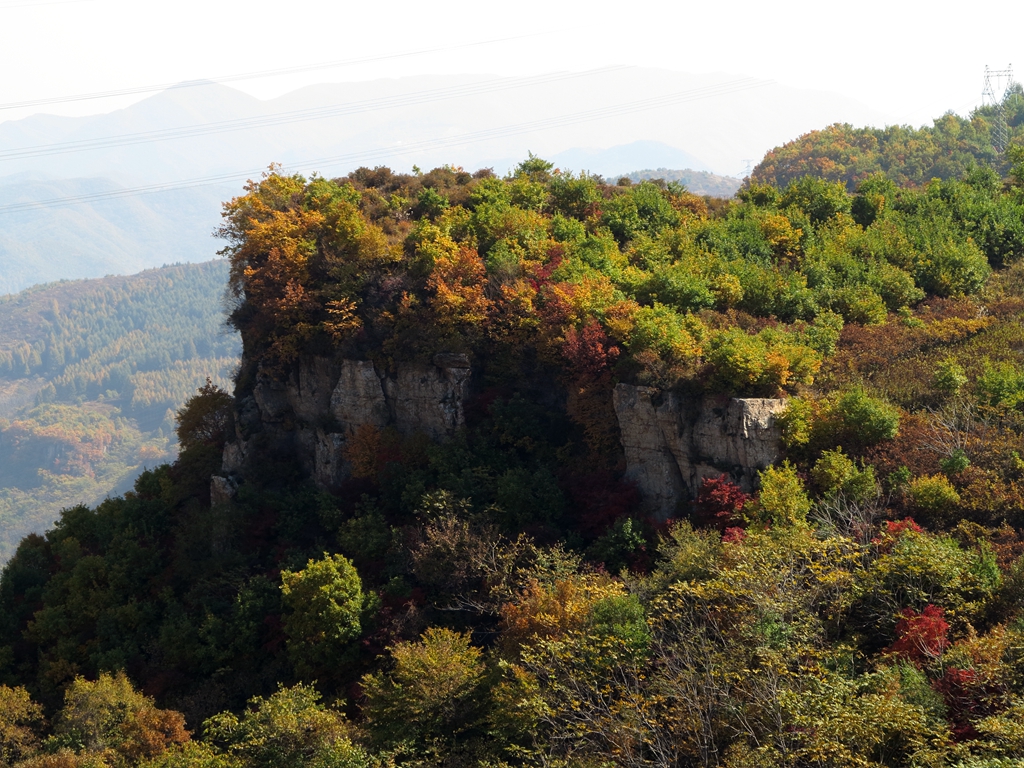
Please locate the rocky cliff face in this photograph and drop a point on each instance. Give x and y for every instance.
(315, 413)
(672, 443)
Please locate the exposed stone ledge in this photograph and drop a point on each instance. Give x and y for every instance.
(222, 490)
(358, 397)
(348, 394)
(671, 443)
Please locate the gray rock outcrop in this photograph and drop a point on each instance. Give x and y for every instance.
(429, 398)
(222, 490)
(672, 443)
(325, 402)
(358, 397)
(311, 388)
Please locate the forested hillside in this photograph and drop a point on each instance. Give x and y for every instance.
(500, 597)
(909, 156)
(91, 373)
(698, 182)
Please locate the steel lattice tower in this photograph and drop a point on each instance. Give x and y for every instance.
(994, 79)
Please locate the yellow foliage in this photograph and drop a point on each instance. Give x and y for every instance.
(544, 613)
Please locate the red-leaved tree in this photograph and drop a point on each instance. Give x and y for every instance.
(922, 636)
(719, 503)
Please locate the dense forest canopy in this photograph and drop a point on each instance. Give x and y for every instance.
(909, 156)
(118, 338)
(499, 599)
(648, 283)
(91, 373)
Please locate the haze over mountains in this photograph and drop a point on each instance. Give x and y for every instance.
(117, 236)
(596, 121)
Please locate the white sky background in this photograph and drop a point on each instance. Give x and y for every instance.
(910, 60)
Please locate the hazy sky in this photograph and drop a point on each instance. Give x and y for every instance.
(910, 60)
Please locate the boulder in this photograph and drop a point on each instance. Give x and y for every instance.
(292, 419)
(652, 436)
(222, 490)
(739, 432)
(234, 456)
(272, 400)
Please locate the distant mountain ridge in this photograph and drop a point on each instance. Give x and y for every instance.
(116, 236)
(711, 120)
(127, 234)
(626, 158)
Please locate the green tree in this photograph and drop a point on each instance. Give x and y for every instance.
(325, 603)
(205, 417)
(854, 419)
(290, 728)
(782, 500)
(835, 472)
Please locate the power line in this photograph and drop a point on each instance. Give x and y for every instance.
(600, 113)
(283, 118)
(254, 75)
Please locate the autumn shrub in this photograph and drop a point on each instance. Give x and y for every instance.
(935, 496)
(549, 611)
(642, 210)
(760, 364)
(575, 196)
(921, 637)
(685, 554)
(823, 333)
(291, 727)
(950, 376)
(110, 719)
(854, 420)
(1001, 385)
(624, 544)
(781, 500)
(194, 754)
(951, 267)
(21, 721)
(432, 692)
(795, 423)
(834, 472)
(913, 568)
(818, 198)
(719, 503)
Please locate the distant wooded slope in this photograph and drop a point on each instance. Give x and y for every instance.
(91, 373)
(908, 156)
(697, 182)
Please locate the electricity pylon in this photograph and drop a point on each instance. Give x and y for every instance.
(994, 79)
